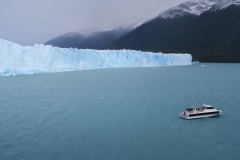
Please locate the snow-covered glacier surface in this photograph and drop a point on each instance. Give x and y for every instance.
(16, 59)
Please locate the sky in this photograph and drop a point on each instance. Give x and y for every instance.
(29, 22)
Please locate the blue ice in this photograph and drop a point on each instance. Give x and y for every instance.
(16, 59)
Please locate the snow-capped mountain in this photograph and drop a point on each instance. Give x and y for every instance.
(195, 7)
(208, 29)
(221, 4)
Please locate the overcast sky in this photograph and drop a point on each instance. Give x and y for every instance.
(28, 22)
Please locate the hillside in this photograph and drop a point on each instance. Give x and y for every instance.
(211, 37)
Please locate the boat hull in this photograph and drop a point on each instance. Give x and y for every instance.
(200, 116)
(187, 116)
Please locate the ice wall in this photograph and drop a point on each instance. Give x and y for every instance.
(16, 59)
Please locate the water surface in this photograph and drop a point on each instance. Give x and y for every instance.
(129, 113)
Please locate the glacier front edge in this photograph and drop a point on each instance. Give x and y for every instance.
(16, 59)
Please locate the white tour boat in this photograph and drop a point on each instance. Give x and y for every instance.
(204, 111)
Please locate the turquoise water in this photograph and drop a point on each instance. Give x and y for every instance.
(119, 114)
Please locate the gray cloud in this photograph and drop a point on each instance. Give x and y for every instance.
(35, 21)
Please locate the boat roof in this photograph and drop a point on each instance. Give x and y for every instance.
(206, 105)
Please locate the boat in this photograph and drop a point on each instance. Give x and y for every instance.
(204, 111)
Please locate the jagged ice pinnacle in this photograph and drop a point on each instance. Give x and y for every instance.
(16, 59)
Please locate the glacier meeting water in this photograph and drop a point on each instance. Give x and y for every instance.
(121, 114)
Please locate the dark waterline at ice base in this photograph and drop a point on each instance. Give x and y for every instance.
(119, 114)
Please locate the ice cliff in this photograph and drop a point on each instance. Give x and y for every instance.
(16, 59)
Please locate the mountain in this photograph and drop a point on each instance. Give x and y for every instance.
(98, 39)
(101, 39)
(126, 23)
(67, 40)
(195, 7)
(221, 4)
(208, 29)
(95, 40)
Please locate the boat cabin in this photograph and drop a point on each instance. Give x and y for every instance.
(207, 106)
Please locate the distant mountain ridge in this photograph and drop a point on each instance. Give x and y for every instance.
(67, 40)
(98, 39)
(101, 39)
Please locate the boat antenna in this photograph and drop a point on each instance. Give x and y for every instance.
(202, 101)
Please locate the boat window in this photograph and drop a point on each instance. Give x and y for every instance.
(210, 108)
(200, 114)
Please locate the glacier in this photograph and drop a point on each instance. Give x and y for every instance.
(16, 59)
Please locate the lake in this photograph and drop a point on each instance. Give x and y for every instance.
(121, 113)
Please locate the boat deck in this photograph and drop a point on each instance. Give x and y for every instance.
(204, 111)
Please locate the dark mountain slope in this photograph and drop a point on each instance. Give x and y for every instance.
(71, 39)
(210, 37)
(100, 40)
(149, 35)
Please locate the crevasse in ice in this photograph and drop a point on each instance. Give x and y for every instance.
(16, 59)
